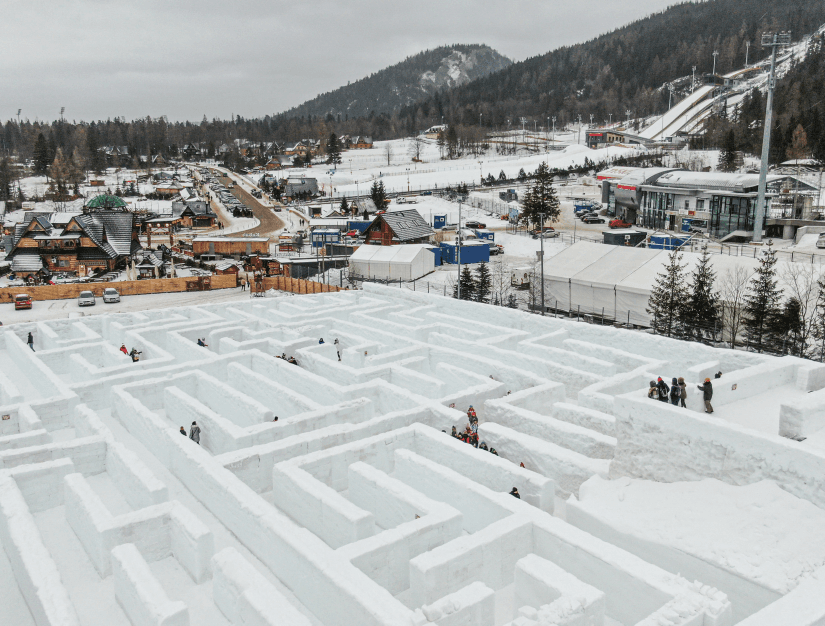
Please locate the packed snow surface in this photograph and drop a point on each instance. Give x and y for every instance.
(758, 531)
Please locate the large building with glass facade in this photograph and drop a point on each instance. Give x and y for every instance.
(723, 205)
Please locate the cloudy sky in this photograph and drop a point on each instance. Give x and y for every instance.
(184, 59)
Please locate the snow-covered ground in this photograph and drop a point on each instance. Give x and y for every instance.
(330, 493)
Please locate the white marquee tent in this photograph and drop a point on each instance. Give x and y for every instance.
(407, 262)
(616, 280)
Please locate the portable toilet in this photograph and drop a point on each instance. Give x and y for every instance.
(439, 221)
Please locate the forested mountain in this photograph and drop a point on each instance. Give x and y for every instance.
(402, 84)
(627, 68)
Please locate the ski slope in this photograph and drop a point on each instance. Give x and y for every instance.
(671, 121)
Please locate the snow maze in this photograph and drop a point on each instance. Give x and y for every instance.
(355, 508)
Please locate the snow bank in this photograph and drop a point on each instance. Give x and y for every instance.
(567, 469)
(473, 604)
(651, 440)
(246, 598)
(140, 594)
(557, 595)
(34, 569)
(159, 531)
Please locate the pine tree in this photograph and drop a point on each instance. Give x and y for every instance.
(512, 303)
(468, 285)
(502, 176)
(701, 312)
(522, 175)
(668, 297)
(786, 329)
(482, 283)
(727, 158)
(541, 198)
(762, 301)
(333, 149)
(344, 208)
(41, 155)
(378, 194)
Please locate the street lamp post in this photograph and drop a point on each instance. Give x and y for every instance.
(541, 236)
(554, 130)
(693, 80)
(458, 251)
(747, 51)
(715, 54)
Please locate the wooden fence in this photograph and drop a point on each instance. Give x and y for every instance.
(293, 285)
(124, 288)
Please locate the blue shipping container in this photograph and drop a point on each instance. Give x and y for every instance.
(470, 253)
(437, 252)
(487, 235)
(439, 221)
(666, 242)
(358, 225)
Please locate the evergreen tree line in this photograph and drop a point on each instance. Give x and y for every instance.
(740, 310)
(477, 286)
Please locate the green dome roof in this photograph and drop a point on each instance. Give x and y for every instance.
(104, 201)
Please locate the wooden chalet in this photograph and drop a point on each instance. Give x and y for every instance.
(398, 227)
(100, 240)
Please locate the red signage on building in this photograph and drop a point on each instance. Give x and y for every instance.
(627, 187)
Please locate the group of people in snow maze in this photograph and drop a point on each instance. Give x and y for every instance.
(470, 433)
(677, 391)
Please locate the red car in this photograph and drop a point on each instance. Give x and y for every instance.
(619, 224)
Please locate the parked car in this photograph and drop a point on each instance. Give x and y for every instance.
(86, 298)
(22, 301)
(426, 193)
(820, 241)
(111, 295)
(593, 219)
(474, 224)
(619, 224)
(584, 214)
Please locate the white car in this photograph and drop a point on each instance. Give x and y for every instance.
(111, 295)
(86, 298)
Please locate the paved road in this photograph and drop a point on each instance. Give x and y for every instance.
(270, 222)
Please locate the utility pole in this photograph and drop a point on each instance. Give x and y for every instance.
(747, 50)
(541, 236)
(693, 80)
(715, 54)
(458, 251)
(627, 112)
(611, 118)
(670, 96)
(579, 140)
(554, 130)
(772, 41)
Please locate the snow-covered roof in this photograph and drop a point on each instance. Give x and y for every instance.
(389, 254)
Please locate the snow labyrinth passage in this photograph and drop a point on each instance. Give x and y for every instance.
(331, 493)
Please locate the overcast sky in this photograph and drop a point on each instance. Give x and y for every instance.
(184, 59)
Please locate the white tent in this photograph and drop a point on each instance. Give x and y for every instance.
(616, 280)
(405, 262)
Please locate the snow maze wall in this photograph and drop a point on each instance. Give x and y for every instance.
(356, 508)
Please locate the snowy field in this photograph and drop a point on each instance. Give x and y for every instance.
(330, 492)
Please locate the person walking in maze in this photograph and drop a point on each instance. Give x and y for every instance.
(30, 341)
(195, 433)
(183, 431)
(664, 390)
(337, 347)
(675, 392)
(514, 492)
(653, 392)
(707, 394)
(683, 394)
